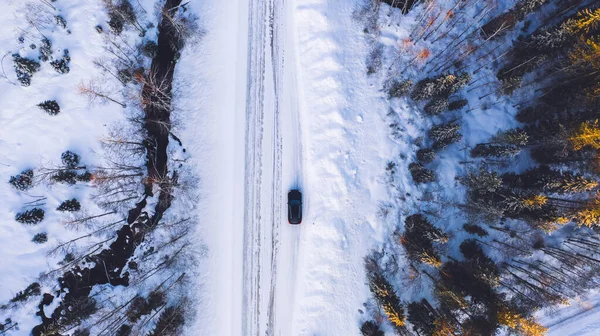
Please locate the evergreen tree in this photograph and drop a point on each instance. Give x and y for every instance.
(371, 328)
(22, 181)
(426, 155)
(69, 205)
(62, 65)
(33, 216)
(64, 176)
(25, 68)
(457, 104)
(50, 106)
(494, 151)
(70, 159)
(169, 323)
(475, 229)
(388, 300)
(436, 106)
(444, 135)
(421, 174)
(31, 290)
(40, 238)
(422, 317)
(399, 88)
(45, 50)
(588, 134)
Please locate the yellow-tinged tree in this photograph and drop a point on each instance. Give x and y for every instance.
(588, 134)
(587, 52)
(388, 299)
(443, 327)
(590, 214)
(586, 20)
(526, 326)
(431, 259)
(535, 201)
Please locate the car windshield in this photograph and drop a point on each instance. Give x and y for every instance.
(294, 202)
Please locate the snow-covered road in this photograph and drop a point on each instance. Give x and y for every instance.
(288, 106)
(272, 142)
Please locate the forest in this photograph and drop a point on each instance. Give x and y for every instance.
(507, 224)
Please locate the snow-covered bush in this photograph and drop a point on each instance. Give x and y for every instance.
(399, 88)
(426, 155)
(25, 68)
(70, 159)
(61, 22)
(45, 50)
(436, 106)
(50, 106)
(64, 176)
(441, 86)
(33, 216)
(62, 65)
(22, 181)
(69, 205)
(371, 328)
(31, 290)
(457, 104)
(40, 238)
(444, 135)
(421, 174)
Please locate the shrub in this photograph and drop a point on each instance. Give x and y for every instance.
(444, 135)
(475, 229)
(119, 15)
(436, 106)
(33, 216)
(169, 323)
(69, 205)
(40, 238)
(45, 50)
(124, 330)
(25, 68)
(62, 65)
(400, 88)
(22, 181)
(70, 159)
(31, 290)
(457, 104)
(64, 176)
(371, 328)
(50, 106)
(61, 22)
(426, 155)
(441, 86)
(421, 174)
(149, 49)
(84, 177)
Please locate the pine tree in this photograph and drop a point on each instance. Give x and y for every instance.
(33, 216)
(50, 106)
(436, 106)
(388, 299)
(22, 181)
(64, 176)
(421, 174)
(588, 52)
(69, 205)
(516, 322)
(169, 323)
(588, 134)
(422, 317)
(457, 104)
(535, 201)
(70, 159)
(586, 20)
(475, 229)
(62, 65)
(589, 215)
(40, 238)
(494, 151)
(31, 290)
(25, 68)
(371, 328)
(426, 155)
(444, 135)
(399, 88)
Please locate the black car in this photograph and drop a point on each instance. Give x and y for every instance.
(294, 206)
